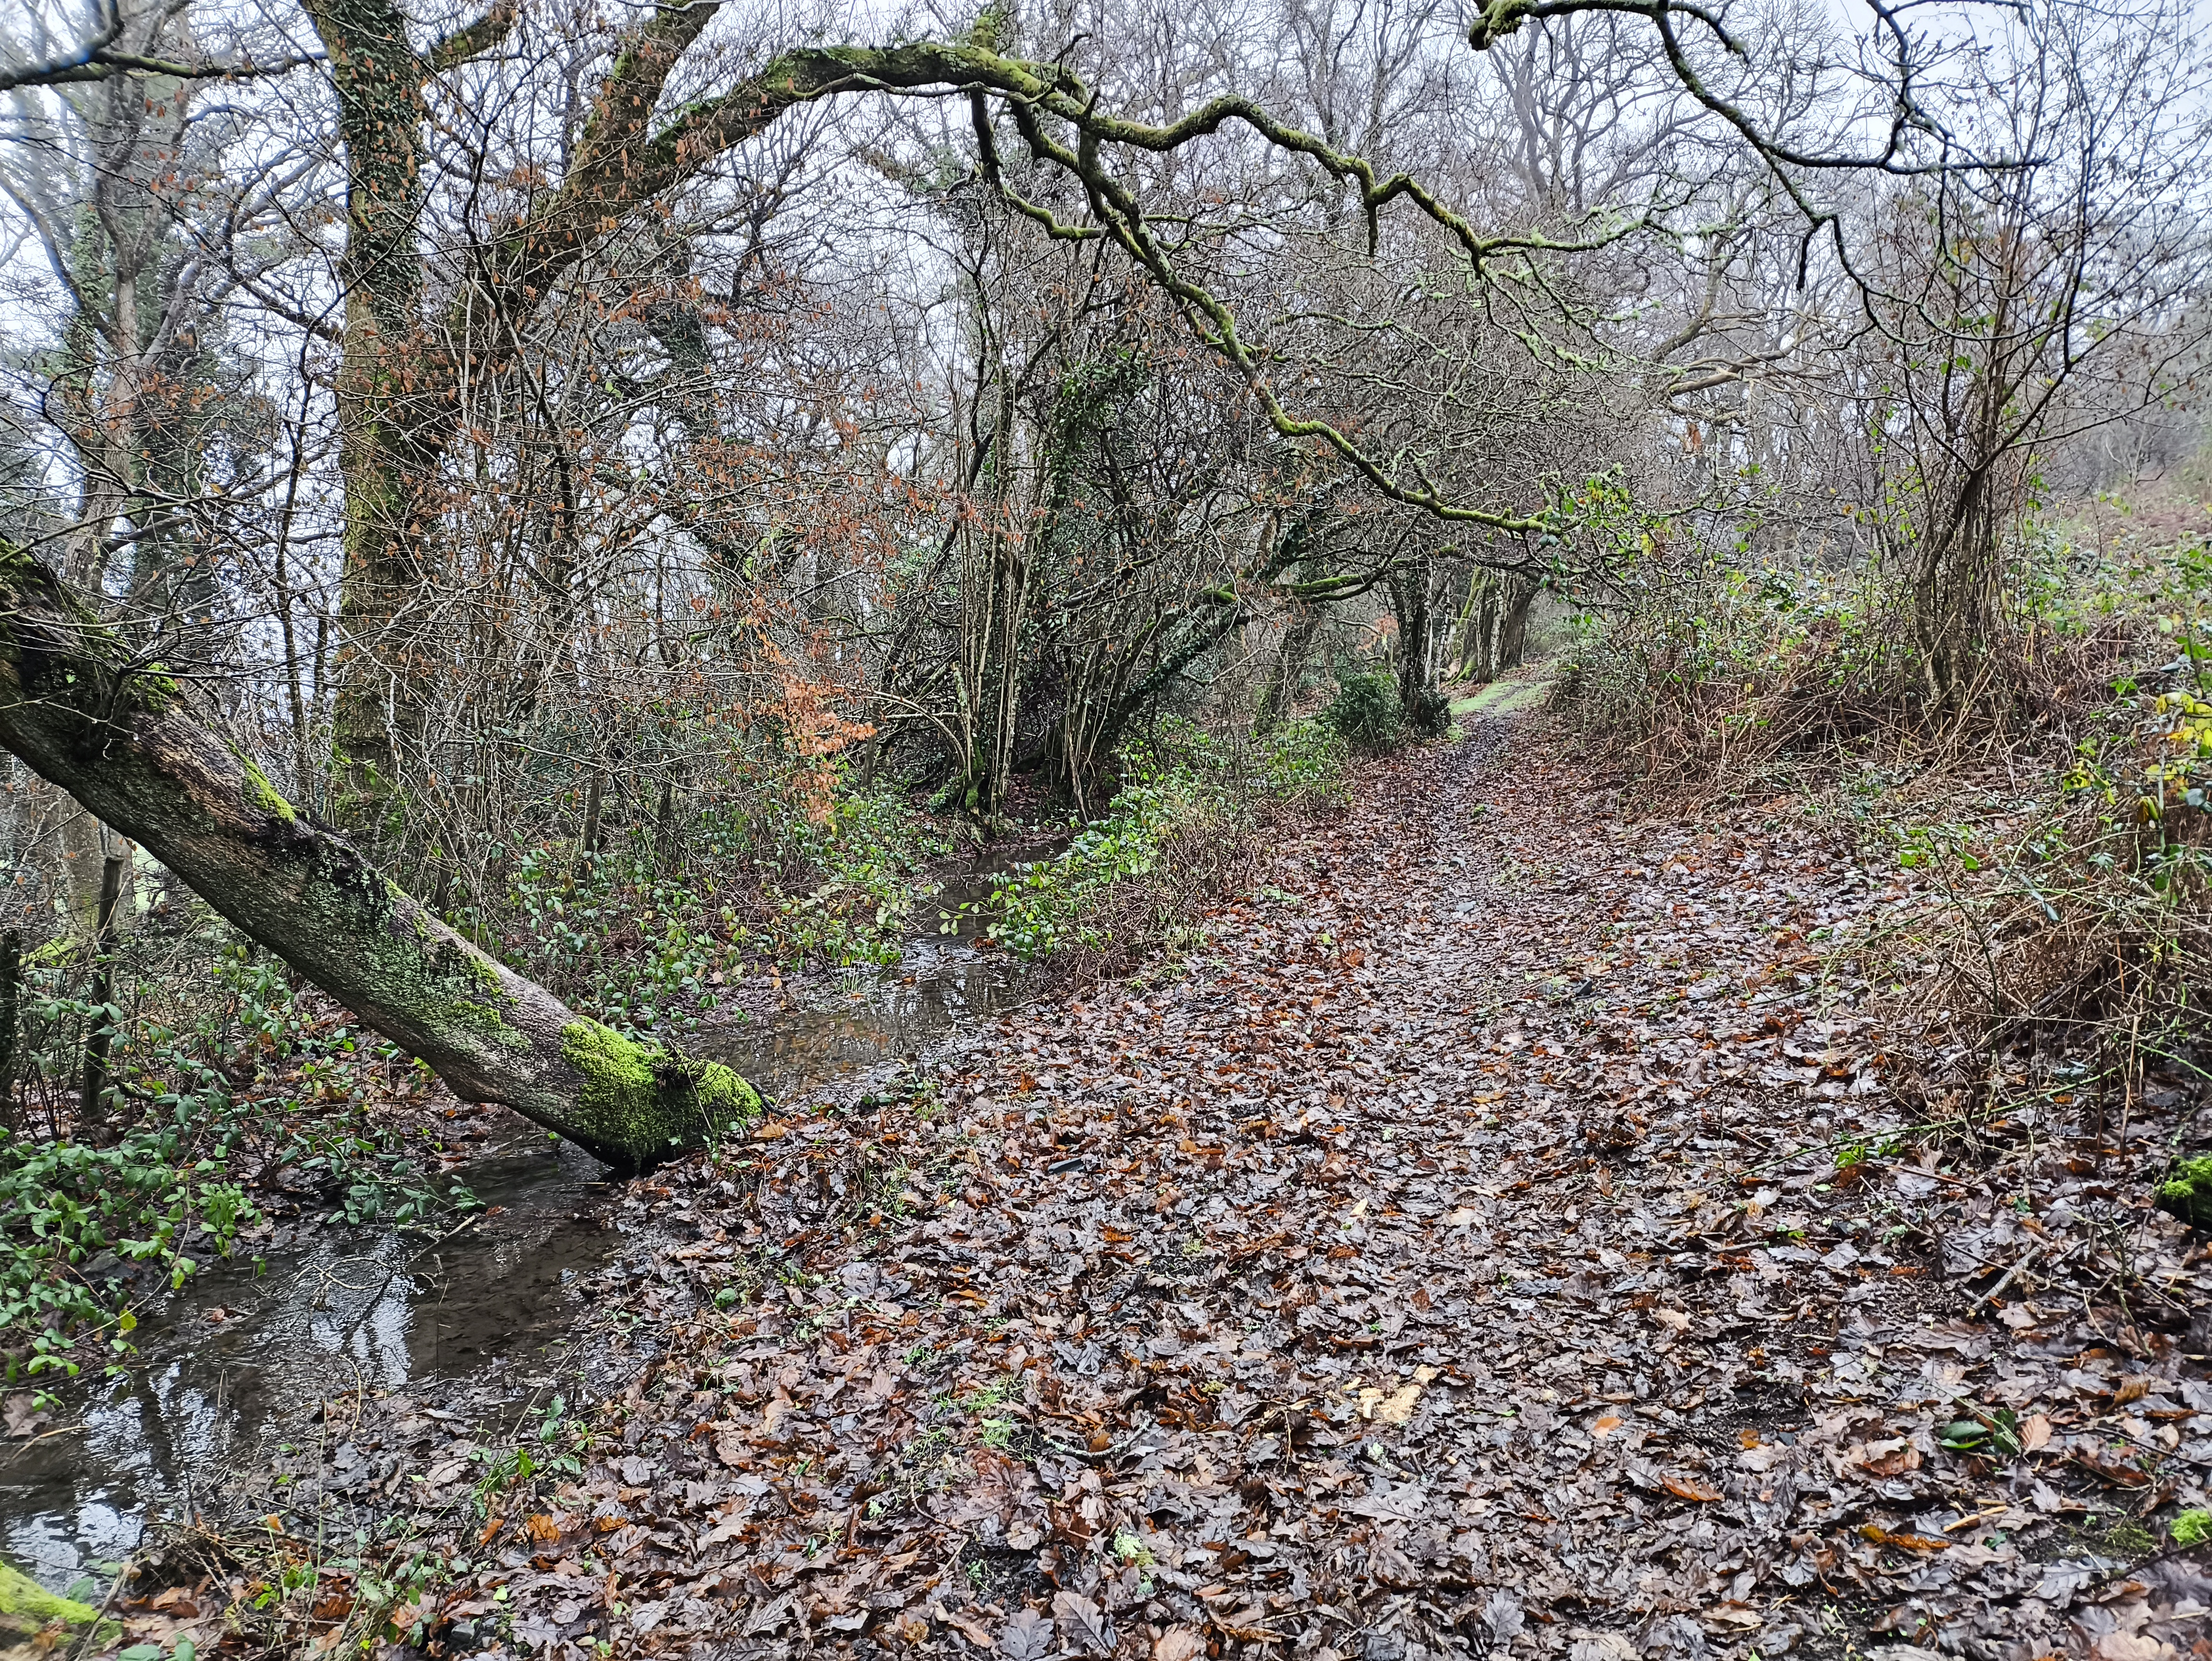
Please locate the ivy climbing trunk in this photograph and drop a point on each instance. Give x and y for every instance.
(392, 408)
(79, 709)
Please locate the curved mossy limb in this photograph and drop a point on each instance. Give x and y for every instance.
(639, 1105)
(2188, 1193)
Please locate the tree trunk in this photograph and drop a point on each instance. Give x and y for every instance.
(392, 420)
(591, 844)
(1513, 626)
(11, 985)
(1412, 597)
(79, 709)
(1281, 693)
(92, 1117)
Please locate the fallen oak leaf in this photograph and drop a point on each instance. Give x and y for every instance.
(1689, 1487)
(1027, 1637)
(1085, 1623)
(2111, 1470)
(967, 1625)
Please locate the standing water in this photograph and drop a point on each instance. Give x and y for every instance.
(485, 1316)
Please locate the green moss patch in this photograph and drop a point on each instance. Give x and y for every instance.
(1504, 697)
(638, 1105)
(26, 1607)
(726, 1102)
(2188, 1193)
(265, 795)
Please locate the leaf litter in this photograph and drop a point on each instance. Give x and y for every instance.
(1505, 1237)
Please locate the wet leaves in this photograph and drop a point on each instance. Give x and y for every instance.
(1511, 1247)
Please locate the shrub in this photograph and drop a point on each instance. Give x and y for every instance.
(1177, 835)
(1366, 713)
(1429, 715)
(1303, 762)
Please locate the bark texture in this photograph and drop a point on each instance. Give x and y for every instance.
(117, 733)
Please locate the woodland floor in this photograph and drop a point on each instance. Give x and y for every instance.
(1469, 1255)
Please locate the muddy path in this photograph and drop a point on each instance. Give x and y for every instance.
(1503, 1236)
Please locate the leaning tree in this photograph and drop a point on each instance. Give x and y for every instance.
(85, 705)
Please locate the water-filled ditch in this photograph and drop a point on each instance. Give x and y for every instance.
(489, 1315)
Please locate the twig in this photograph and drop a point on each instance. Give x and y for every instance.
(58, 1430)
(91, 1633)
(2025, 1258)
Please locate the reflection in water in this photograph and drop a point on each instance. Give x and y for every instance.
(243, 1351)
(239, 1349)
(869, 1021)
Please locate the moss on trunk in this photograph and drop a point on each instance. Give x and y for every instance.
(663, 1099)
(74, 708)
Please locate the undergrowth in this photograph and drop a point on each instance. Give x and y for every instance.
(2048, 830)
(622, 937)
(1722, 670)
(243, 1084)
(1172, 840)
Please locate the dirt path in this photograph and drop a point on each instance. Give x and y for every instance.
(1489, 1246)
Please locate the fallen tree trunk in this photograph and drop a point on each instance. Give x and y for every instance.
(117, 733)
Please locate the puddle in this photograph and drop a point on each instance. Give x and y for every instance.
(874, 1018)
(486, 1314)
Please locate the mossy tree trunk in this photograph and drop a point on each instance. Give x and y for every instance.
(81, 710)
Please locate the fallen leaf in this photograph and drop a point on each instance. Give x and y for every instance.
(1882, 1536)
(1179, 1644)
(967, 1625)
(1086, 1625)
(1689, 1487)
(1394, 1408)
(19, 1416)
(1026, 1637)
(2035, 1433)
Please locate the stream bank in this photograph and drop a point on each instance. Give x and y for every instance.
(550, 1289)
